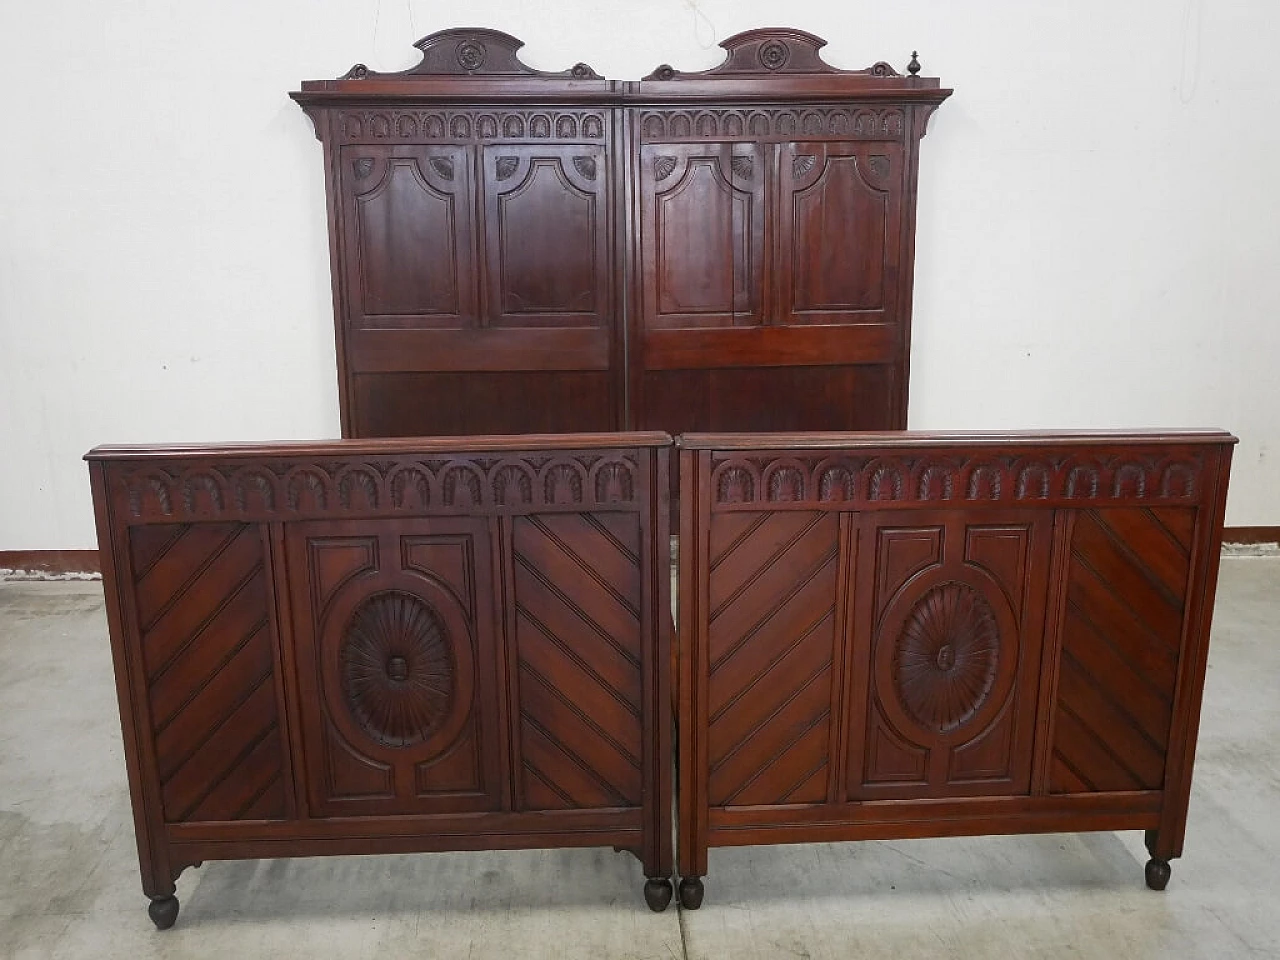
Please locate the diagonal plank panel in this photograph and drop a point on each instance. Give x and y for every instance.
(210, 663)
(577, 600)
(772, 590)
(1126, 587)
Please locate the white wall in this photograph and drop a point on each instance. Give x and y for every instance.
(1097, 228)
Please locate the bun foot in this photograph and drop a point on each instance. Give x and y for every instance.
(1158, 872)
(163, 912)
(657, 893)
(691, 893)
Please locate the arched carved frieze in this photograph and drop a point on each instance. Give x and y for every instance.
(336, 488)
(467, 126)
(563, 482)
(614, 482)
(513, 484)
(358, 488)
(899, 479)
(202, 494)
(661, 124)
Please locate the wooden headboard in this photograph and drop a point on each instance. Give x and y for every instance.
(519, 251)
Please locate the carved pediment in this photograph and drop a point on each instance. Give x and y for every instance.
(470, 52)
(770, 51)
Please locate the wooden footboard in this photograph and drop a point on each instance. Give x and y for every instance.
(391, 646)
(902, 635)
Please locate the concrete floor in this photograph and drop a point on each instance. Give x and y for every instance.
(69, 882)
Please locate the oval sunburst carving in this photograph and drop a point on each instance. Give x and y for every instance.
(945, 661)
(397, 668)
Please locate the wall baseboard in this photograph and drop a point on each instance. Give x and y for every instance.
(58, 563)
(1251, 535)
(51, 563)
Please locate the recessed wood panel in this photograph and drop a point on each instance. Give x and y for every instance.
(702, 237)
(772, 627)
(409, 212)
(546, 233)
(203, 601)
(577, 613)
(772, 203)
(769, 256)
(1126, 588)
(441, 404)
(839, 224)
(952, 634)
(771, 398)
(396, 664)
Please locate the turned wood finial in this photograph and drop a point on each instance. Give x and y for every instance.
(913, 67)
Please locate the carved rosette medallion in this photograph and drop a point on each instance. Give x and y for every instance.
(397, 669)
(774, 55)
(471, 55)
(946, 658)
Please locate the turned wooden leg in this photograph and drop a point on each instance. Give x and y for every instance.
(1158, 872)
(1162, 851)
(691, 893)
(163, 912)
(657, 893)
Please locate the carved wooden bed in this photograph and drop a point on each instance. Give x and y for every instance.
(386, 645)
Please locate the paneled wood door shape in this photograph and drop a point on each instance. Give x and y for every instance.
(948, 620)
(771, 292)
(904, 635)
(396, 658)
(392, 646)
(518, 251)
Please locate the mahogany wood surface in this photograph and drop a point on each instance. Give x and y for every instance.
(377, 646)
(390, 646)
(515, 251)
(908, 635)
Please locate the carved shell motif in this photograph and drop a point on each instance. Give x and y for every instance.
(945, 662)
(397, 668)
(505, 167)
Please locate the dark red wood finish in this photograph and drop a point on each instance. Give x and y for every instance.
(473, 224)
(391, 646)
(775, 240)
(907, 635)
(517, 251)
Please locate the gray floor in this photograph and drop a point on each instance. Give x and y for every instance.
(69, 884)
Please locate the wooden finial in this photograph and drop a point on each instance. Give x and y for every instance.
(913, 67)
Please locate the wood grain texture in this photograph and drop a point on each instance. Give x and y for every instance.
(391, 645)
(948, 626)
(577, 585)
(909, 635)
(206, 645)
(687, 241)
(1126, 587)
